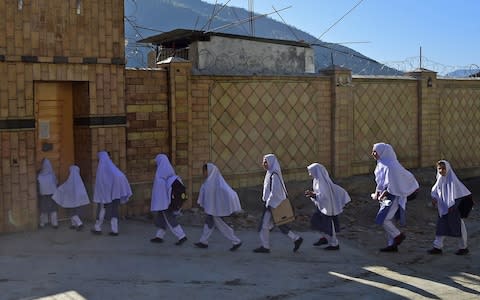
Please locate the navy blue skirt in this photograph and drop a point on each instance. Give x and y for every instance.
(450, 224)
(323, 223)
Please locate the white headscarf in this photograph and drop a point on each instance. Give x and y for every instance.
(447, 189)
(273, 192)
(110, 182)
(72, 193)
(330, 198)
(216, 197)
(47, 181)
(390, 175)
(162, 184)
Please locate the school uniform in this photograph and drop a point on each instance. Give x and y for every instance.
(165, 216)
(72, 195)
(448, 192)
(274, 192)
(47, 185)
(397, 184)
(329, 200)
(111, 189)
(218, 200)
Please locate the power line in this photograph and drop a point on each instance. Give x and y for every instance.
(339, 20)
(285, 23)
(244, 20)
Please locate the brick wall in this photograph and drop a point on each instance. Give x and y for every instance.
(148, 131)
(49, 41)
(331, 118)
(18, 206)
(48, 29)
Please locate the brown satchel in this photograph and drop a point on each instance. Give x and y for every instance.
(283, 213)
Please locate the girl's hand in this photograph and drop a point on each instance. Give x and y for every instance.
(382, 195)
(309, 193)
(434, 202)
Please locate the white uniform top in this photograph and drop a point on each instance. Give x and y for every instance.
(390, 175)
(72, 192)
(162, 184)
(329, 197)
(447, 189)
(274, 190)
(47, 181)
(110, 182)
(216, 197)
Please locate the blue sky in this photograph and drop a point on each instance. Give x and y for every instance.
(447, 30)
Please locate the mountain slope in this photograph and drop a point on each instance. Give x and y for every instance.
(166, 15)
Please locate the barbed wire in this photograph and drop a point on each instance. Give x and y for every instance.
(443, 70)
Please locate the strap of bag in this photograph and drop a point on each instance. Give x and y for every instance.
(283, 185)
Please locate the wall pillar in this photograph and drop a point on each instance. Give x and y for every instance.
(429, 117)
(342, 120)
(180, 115)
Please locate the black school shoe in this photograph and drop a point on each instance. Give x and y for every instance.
(391, 248)
(261, 250)
(181, 241)
(111, 233)
(201, 245)
(298, 242)
(462, 251)
(435, 251)
(235, 247)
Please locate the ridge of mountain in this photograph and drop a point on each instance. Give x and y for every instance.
(150, 17)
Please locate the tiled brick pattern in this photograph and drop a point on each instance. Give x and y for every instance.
(459, 121)
(384, 111)
(250, 118)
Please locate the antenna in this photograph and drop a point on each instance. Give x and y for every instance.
(252, 14)
(420, 57)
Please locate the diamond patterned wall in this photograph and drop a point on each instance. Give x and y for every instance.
(460, 126)
(384, 110)
(251, 118)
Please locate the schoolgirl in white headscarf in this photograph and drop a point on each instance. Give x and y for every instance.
(329, 199)
(72, 195)
(394, 185)
(111, 189)
(447, 194)
(164, 183)
(218, 200)
(274, 192)
(47, 185)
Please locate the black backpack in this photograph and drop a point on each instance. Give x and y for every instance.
(179, 195)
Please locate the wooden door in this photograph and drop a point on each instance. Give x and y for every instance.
(54, 126)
